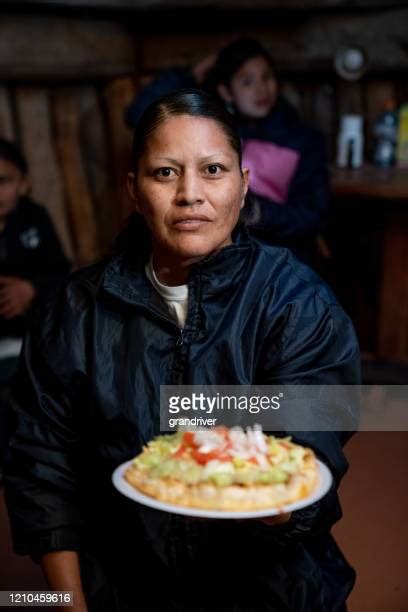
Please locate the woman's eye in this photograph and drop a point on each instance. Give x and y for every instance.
(164, 172)
(214, 169)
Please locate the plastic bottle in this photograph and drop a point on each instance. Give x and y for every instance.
(385, 133)
(350, 142)
(402, 145)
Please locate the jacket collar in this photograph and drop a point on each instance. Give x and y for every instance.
(126, 280)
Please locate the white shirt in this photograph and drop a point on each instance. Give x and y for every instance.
(10, 347)
(176, 297)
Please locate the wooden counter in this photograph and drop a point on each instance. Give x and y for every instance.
(370, 183)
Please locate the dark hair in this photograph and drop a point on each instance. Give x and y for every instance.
(11, 153)
(192, 102)
(231, 58)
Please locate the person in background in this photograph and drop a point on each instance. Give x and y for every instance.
(288, 197)
(31, 261)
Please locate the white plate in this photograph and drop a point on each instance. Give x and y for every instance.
(323, 485)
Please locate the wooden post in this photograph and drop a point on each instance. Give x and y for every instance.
(118, 94)
(94, 143)
(79, 202)
(38, 145)
(6, 118)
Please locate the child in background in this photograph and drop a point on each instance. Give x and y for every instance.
(289, 193)
(31, 262)
(31, 256)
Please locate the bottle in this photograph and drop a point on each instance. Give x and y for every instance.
(385, 133)
(350, 142)
(402, 145)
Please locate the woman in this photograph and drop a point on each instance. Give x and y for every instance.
(289, 194)
(192, 300)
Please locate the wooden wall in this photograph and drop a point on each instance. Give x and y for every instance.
(67, 74)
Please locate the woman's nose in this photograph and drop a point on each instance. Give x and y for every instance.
(190, 189)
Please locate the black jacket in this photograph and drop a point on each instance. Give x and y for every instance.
(31, 250)
(89, 400)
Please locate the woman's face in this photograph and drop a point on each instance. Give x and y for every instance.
(189, 188)
(253, 88)
(13, 184)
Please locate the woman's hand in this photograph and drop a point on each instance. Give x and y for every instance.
(62, 571)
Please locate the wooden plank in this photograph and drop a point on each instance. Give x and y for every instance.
(79, 203)
(45, 46)
(37, 142)
(305, 43)
(6, 118)
(95, 149)
(117, 95)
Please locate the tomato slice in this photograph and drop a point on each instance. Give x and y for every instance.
(253, 460)
(188, 438)
(203, 458)
(179, 453)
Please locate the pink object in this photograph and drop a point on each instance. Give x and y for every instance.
(271, 168)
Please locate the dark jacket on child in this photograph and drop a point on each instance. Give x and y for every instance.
(31, 250)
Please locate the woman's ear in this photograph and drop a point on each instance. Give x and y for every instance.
(131, 187)
(224, 93)
(245, 185)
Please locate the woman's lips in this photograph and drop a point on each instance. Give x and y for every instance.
(190, 224)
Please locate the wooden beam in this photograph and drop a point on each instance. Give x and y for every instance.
(138, 5)
(38, 144)
(307, 43)
(51, 47)
(79, 202)
(6, 117)
(95, 149)
(117, 95)
(80, 48)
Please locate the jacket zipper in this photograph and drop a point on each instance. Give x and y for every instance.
(180, 339)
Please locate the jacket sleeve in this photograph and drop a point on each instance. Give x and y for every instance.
(41, 460)
(165, 82)
(306, 207)
(318, 347)
(52, 263)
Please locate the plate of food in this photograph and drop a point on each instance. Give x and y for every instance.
(224, 473)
